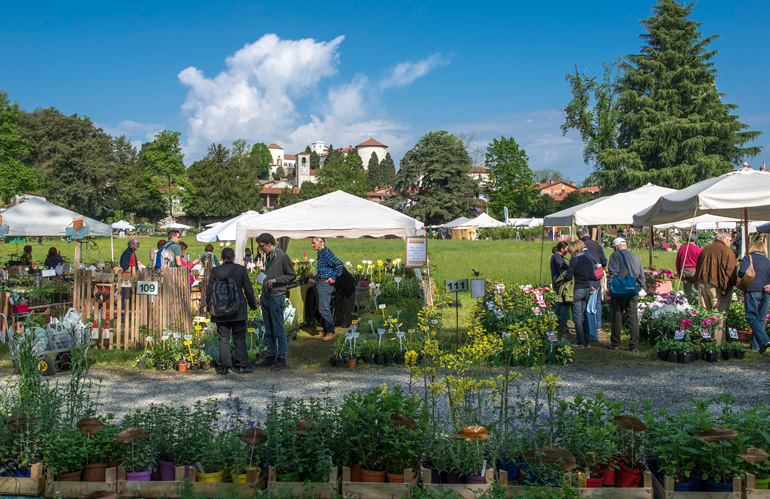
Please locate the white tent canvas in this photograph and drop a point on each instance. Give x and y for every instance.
(122, 225)
(618, 209)
(483, 221)
(332, 215)
(175, 225)
(225, 231)
(455, 223)
(36, 217)
(726, 196)
(527, 223)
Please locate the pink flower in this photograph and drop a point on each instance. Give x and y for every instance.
(548, 303)
(686, 323)
(693, 312)
(706, 323)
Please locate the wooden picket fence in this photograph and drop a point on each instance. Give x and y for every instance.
(113, 303)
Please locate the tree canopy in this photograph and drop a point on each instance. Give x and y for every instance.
(15, 175)
(433, 183)
(511, 181)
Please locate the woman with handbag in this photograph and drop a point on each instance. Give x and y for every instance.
(559, 265)
(581, 268)
(754, 273)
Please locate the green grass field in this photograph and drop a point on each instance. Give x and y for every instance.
(508, 261)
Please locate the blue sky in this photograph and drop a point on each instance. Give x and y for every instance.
(291, 72)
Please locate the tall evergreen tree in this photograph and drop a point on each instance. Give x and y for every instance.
(433, 183)
(511, 181)
(674, 129)
(343, 173)
(388, 171)
(15, 176)
(374, 173)
(315, 160)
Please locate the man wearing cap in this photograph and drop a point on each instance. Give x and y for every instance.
(621, 264)
(686, 259)
(716, 274)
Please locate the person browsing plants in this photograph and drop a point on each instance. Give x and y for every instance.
(328, 269)
(622, 264)
(756, 296)
(279, 272)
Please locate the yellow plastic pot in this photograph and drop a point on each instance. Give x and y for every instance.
(215, 477)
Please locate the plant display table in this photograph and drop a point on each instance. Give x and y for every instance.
(366, 490)
(55, 488)
(751, 492)
(470, 490)
(20, 486)
(173, 490)
(644, 492)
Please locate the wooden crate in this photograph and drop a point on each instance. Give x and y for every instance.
(468, 490)
(32, 486)
(173, 490)
(751, 492)
(316, 490)
(665, 490)
(55, 488)
(366, 490)
(644, 492)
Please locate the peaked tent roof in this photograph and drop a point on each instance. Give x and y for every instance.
(224, 231)
(483, 221)
(455, 223)
(331, 215)
(726, 196)
(618, 209)
(122, 225)
(175, 225)
(36, 217)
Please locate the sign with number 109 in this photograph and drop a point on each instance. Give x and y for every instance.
(147, 288)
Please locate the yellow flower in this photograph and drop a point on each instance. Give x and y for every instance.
(383, 389)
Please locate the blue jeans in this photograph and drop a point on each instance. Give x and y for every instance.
(755, 303)
(275, 334)
(594, 313)
(323, 292)
(579, 316)
(562, 313)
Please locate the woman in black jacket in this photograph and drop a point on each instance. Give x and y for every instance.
(558, 265)
(234, 324)
(757, 296)
(581, 268)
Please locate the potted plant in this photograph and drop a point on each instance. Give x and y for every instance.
(66, 454)
(720, 464)
(204, 359)
(213, 458)
(632, 467)
(710, 353)
(246, 457)
(101, 449)
(139, 455)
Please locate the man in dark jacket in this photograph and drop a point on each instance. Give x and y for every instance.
(234, 325)
(623, 263)
(128, 259)
(716, 274)
(594, 309)
(279, 272)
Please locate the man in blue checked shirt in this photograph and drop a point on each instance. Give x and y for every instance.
(328, 269)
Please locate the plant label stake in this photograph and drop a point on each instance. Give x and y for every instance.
(400, 336)
(678, 335)
(371, 325)
(189, 348)
(382, 307)
(398, 315)
(263, 333)
(148, 342)
(380, 331)
(733, 333)
(354, 335)
(177, 336)
(398, 281)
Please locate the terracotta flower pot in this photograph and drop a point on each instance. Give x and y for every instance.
(182, 367)
(355, 473)
(593, 483)
(72, 476)
(395, 478)
(372, 476)
(95, 472)
(352, 361)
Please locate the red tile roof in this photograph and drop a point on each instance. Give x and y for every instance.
(478, 169)
(277, 190)
(371, 142)
(273, 145)
(289, 156)
(593, 189)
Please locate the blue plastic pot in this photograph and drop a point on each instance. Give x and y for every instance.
(718, 487)
(510, 467)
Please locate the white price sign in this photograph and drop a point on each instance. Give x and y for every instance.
(416, 252)
(456, 285)
(147, 287)
(49, 273)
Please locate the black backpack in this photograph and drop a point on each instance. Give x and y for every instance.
(225, 296)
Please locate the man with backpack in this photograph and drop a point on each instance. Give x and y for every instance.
(170, 255)
(228, 291)
(625, 274)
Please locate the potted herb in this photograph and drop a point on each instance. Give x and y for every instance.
(632, 467)
(138, 455)
(66, 454)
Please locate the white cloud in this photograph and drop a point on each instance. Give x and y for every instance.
(407, 72)
(137, 133)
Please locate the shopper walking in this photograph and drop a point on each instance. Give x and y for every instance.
(756, 298)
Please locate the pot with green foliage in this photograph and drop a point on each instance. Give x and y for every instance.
(66, 454)
(138, 455)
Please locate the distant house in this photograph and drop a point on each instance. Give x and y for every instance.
(271, 192)
(559, 190)
(380, 195)
(25, 196)
(480, 174)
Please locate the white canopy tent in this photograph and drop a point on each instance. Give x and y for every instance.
(39, 218)
(525, 223)
(213, 224)
(332, 215)
(225, 231)
(122, 225)
(483, 221)
(175, 225)
(455, 223)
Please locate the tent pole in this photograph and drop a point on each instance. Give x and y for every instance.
(652, 242)
(542, 250)
(112, 249)
(745, 242)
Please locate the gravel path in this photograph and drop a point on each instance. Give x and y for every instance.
(666, 385)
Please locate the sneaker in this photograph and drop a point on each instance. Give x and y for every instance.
(613, 347)
(633, 350)
(764, 348)
(279, 364)
(268, 362)
(244, 370)
(577, 345)
(329, 336)
(223, 370)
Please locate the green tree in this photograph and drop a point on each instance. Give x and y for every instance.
(15, 175)
(433, 183)
(73, 159)
(260, 160)
(574, 198)
(343, 172)
(388, 170)
(315, 160)
(511, 181)
(133, 193)
(545, 205)
(288, 197)
(373, 173)
(280, 173)
(164, 167)
(673, 128)
(239, 149)
(549, 175)
(307, 149)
